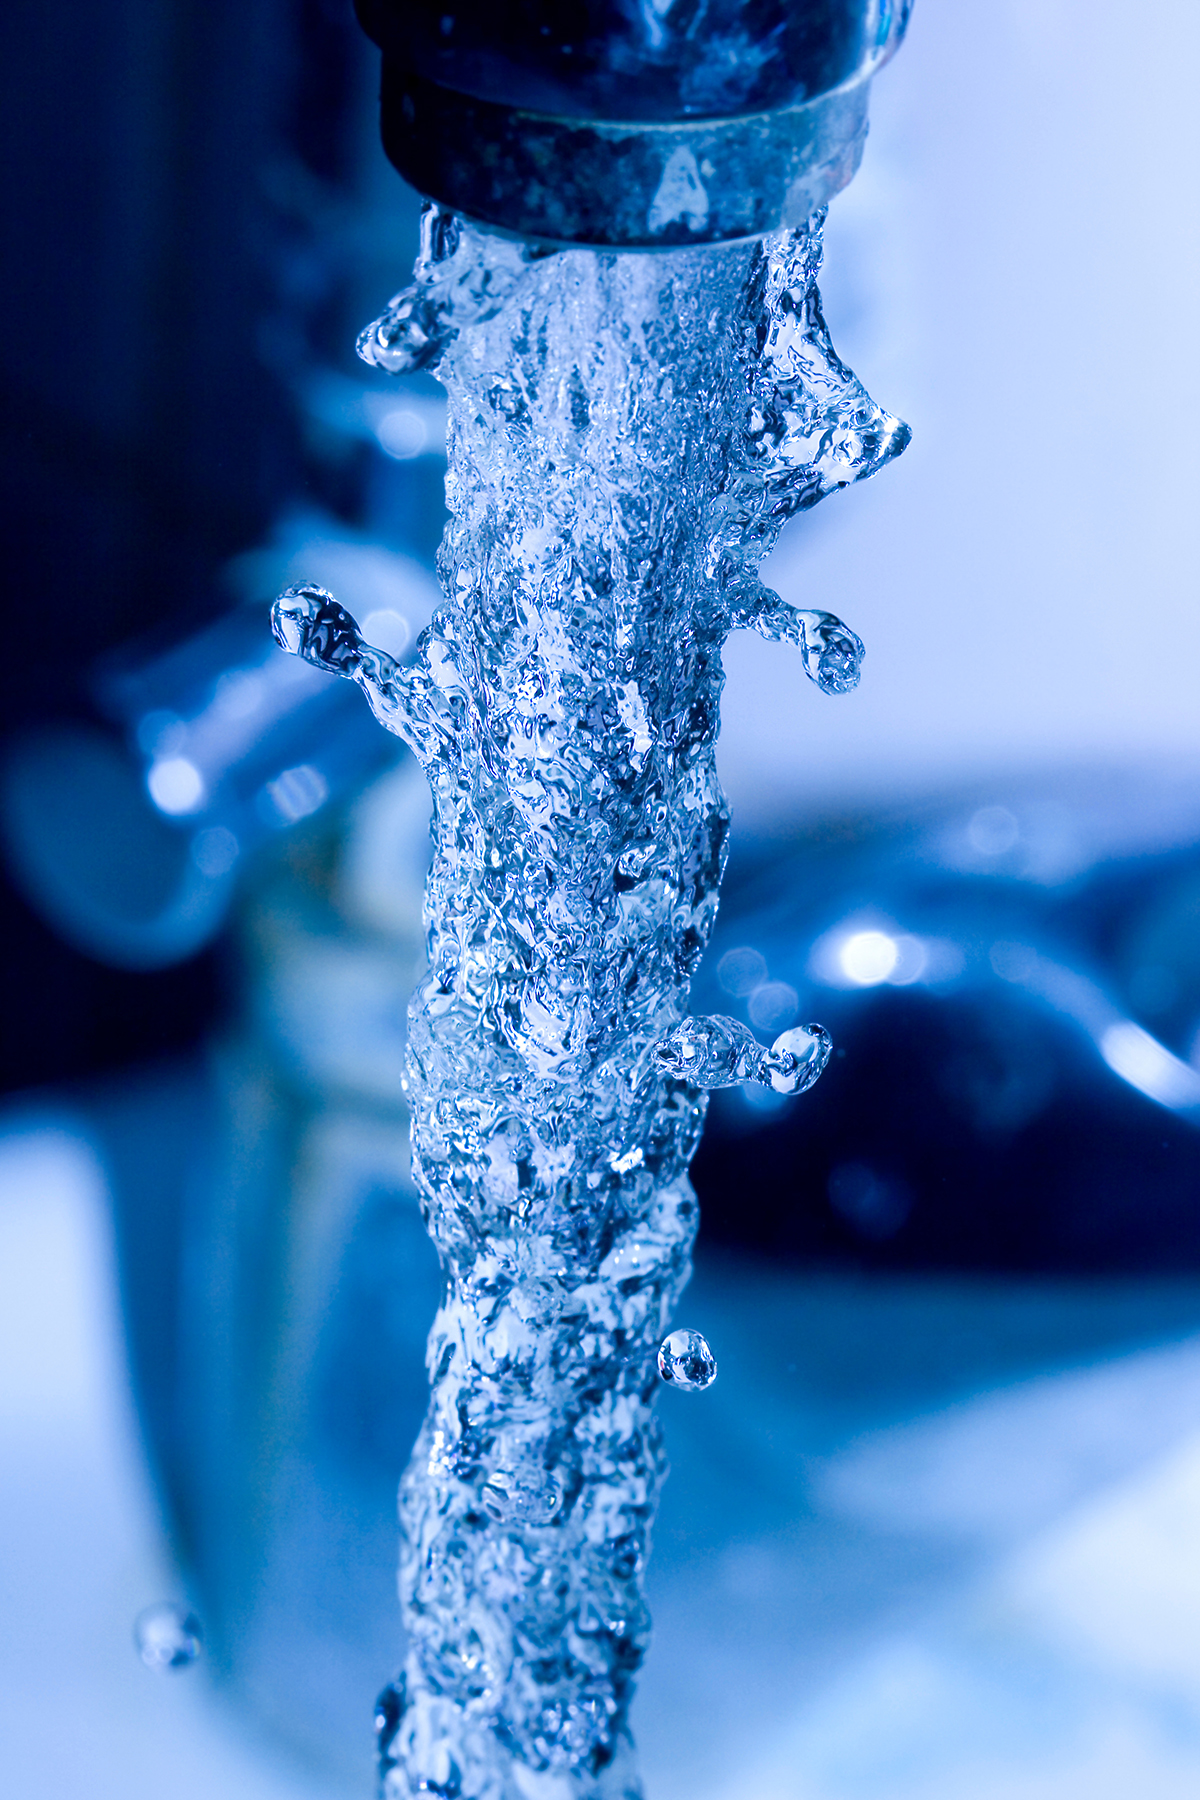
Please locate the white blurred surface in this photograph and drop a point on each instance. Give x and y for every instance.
(1016, 272)
(992, 1599)
(80, 1545)
(864, 1591)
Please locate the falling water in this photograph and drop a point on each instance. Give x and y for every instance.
(627, 435)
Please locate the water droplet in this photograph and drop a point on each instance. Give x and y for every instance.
(685, 1361)
(833, 654)
(460, 279)
(309, 622)
(797, 1058)
(408, 335)
(168, 1636)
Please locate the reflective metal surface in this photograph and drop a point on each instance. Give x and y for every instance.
(607, 125)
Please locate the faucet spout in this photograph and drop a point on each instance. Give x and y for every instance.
(630, 127)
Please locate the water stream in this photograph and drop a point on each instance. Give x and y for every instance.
(627, 435)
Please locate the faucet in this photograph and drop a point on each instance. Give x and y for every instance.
(630, 124)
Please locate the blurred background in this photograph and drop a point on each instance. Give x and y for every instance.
(935, 1530)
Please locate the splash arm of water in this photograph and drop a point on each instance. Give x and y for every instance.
(421, 707)
(717, 1052)
(831, 653)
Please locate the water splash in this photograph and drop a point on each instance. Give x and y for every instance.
(831, 652)
(627, 434)
(685, 1361)
(719, 1052)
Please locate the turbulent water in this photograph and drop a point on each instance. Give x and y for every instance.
(627, 435)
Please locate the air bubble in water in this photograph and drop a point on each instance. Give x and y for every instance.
(532, 1498)
(168, 1636)
(685, 1361)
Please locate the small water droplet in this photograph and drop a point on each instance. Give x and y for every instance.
(685, 1361)
(797, 1058)
(409, 334)
(833, 654)
(168, 1636)
(307, 621)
